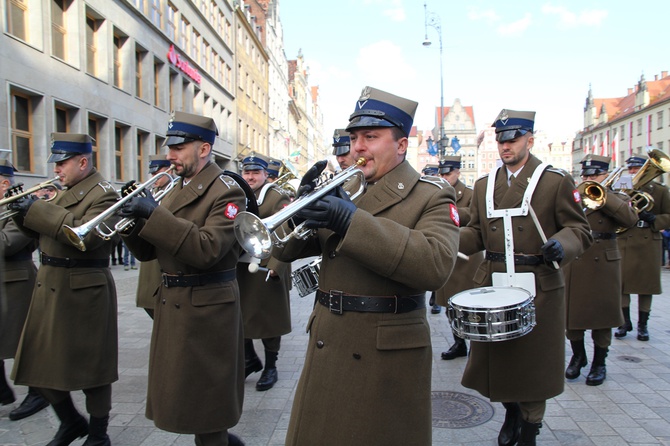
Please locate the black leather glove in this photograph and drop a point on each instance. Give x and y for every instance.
(128, 187)
(333, 212)
(308, 182)
(552, 251)
(139, 206)
(647, 216)
(22, 204)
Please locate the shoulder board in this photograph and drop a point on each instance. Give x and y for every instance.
(436, 181)
(556, 170)
(228, 181)
(106, 186)
(483, 177)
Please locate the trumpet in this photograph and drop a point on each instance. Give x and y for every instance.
(77, 234)
(594, 194)
(16, 193)
(257, 236)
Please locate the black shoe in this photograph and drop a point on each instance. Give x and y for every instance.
(252, 366)
(528, 433)
(67, 433)
(627, 325)
(97, 432)
(575, 366)
(510, 430)
(7, 396)
(457, 350)
(435, 309)
(596, 376)
(268, 379)
(642, 331)
(32, 403)
(234, 440)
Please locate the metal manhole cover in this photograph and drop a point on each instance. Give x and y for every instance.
(455, 410)
(626, 358)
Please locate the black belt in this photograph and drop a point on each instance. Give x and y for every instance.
(519, 259)
(642, 224)
(337, 302)
(189, 280)
(19, 257)
(603, 235)
(74, 263)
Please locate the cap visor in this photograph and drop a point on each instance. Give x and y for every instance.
(58, 157)
(253, 167)
(508, 135)
(176, 140)
(368, 121)
(342, 150)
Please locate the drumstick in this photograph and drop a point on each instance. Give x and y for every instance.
(539, 229)
(462, 256)
(254, 268)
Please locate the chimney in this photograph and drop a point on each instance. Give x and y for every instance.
(630, 91)
(655, 77)
(664, 74)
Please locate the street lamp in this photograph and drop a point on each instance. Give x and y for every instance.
(432, 19)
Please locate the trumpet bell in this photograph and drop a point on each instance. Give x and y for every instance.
(76, 236)
(253, 235)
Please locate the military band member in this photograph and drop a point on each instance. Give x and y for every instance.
(196, 382)
(150, 272)
(274, 167)
(18, 276)
(641, 247)
(369, 359)
(70, 339)
(264, 297)
(464, 271)
(524, 372)
(595, 304)
(342, 148)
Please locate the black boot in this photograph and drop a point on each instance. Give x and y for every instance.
(97, 432)
(269, 376)
(577, 361)
(509, 432)
(6, 392)
(642, 332)
(627, 325)
(72, 424)
(234, 440)
(457, 350)
(252, 363)
(528, 433)
(32, 403)
(598, 372)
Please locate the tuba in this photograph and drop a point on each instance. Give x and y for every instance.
(594, 194)
(657, 164)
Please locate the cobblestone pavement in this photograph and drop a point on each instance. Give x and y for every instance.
(631, 407)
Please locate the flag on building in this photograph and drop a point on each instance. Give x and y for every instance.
(455, 144)
(630, 139)
(605, 144)
(615, 148)
(595, 144)
(649, 130)
(431, 146)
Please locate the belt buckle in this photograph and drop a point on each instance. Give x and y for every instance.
(640, 224)
(396, 301)
(165, 281)
(337, 309)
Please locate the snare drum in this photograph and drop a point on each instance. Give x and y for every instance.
(306, 278)
(492, 314)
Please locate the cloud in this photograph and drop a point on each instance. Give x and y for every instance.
(393, 9)
(488, 15)
(515, 28)
(569, 19)
(385, 61)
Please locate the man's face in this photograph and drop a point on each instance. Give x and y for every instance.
(598, 177)
(515, 152)
(345, 160)
(163, 180)
(72, 170)
(381, 151)
(452, 176)
(633, 170)
(255, 178)
(188, 158)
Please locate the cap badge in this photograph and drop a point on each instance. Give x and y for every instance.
(336, 136)
(503, 117)
(365, 95)
(587, 163)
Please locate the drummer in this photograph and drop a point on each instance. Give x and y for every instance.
(523, 373)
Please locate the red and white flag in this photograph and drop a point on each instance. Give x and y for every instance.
(630, 139)
(595, 144)
(615, 148)
(604, 148)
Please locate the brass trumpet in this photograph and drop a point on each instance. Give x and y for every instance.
(257, 236)
(77, 235)
(594, 194)
(16, 193)
(657, 164)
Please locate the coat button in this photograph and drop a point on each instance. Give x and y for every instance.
(520, 228)
(331, 254)
(357, 356)
(319, 344)
(177, 306)
(163, 301)
(596, 259)
(494, 228)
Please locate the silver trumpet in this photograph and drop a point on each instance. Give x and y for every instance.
(257, 236)
(77, 235)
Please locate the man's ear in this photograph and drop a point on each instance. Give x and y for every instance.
(403, 143)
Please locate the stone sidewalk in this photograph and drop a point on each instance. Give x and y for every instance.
(631, 407)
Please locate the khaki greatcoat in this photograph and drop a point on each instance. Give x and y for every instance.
(266, 308)
(529, 368)
(196, 360)
(70, 339)
(642, 248)
(593, 279)
(18, 275)
(364, 372)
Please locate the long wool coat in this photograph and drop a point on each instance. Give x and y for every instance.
(70, 340)
(464, 271)
(18, 276)
(266, 309)
(529, 368)
(365, 371)
(593, 280)
(196, 362)
(642, 248)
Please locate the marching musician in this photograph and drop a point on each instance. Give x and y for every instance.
(274, 167)
(264, 297)
(195, 384)
(74, 296)
(342, 148)
(593, 304)
(524, 372)
(464, 271)
(642, 248)
(18, 276)
(369, 357)
(150, 272)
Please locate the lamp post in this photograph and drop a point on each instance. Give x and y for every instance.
(433, 20)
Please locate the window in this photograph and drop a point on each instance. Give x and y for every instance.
(171, 89)
(17, 16)
(118, 52)
(171, 27)
(141, 6)
(660, 119)
(158, 68)
(63, 116)
(139, 57)
(639, 126)
(94, 127)
(157, 13)
(58, 31)
(92, 26)
(622, 132)
(142, 154)
(194, 47)
(119, 133)
(22, 131)
(183, 34)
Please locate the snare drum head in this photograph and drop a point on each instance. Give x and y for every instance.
(489, 297)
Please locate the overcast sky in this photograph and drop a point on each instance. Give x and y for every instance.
(520, 55)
